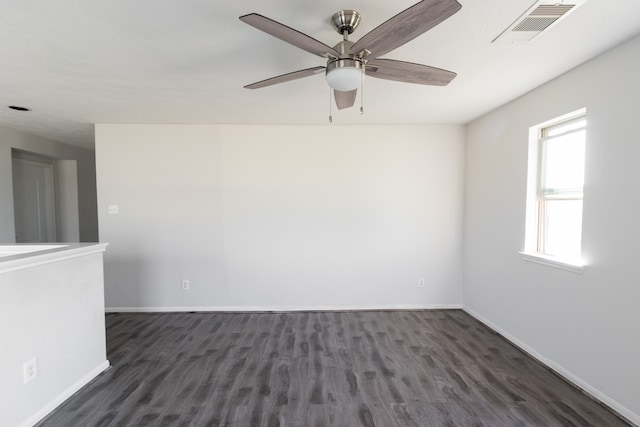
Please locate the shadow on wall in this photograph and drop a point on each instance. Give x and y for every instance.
(124, 277)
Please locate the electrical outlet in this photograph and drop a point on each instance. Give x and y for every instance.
(185, 284)
(30, 370)
(421, 283)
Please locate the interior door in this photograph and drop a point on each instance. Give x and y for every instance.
(33, 201)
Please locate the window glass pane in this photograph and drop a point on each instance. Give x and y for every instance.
(563, 164)
(563, 228)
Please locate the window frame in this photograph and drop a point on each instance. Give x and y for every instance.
(535, 226)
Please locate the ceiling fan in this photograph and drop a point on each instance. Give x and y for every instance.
(348, 62)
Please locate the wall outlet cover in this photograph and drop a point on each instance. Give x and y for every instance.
(30, 370)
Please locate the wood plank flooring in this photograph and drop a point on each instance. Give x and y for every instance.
(311, 369)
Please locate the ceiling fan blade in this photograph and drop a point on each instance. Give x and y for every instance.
(405, 26)
(408, 72)
(285, 77)
(345, 99)
(289, 35)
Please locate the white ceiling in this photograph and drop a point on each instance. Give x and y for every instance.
(78, 62)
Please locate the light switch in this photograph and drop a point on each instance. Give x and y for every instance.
(112, 209)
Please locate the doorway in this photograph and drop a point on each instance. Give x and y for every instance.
(34, 203)
(45, 198)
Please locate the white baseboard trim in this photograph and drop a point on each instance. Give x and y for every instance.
(58, 400)
(596, 394)
(284, 308)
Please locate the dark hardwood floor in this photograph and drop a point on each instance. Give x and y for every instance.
(378, 368)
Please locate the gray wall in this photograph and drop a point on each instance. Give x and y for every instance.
(584, 325)
(11, 138)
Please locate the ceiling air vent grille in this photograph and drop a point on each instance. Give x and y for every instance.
(552, 9)
(535, 24)
(536, 19)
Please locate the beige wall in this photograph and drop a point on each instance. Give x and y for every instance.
(270, 217)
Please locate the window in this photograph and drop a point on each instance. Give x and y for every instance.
(556, 181)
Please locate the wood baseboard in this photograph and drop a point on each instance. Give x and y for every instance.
(238, 309)
(62, 397)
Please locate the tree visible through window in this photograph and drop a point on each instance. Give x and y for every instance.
(559, 188)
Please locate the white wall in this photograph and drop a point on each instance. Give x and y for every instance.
(67, 201)
(269, 217)
(585, 325)
(85, 162)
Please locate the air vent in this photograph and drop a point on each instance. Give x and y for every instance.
(538, 18)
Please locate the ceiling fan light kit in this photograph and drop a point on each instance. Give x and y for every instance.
(348, 62)
(345, 74)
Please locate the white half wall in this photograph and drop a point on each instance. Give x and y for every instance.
(281, 217)
(584, 325)
(51, 310)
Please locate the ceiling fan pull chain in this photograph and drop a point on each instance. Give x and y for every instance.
(330, 117)
(362, 93)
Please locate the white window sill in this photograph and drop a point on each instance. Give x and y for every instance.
(573, 266)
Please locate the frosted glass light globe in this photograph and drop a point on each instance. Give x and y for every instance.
(345, 74)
